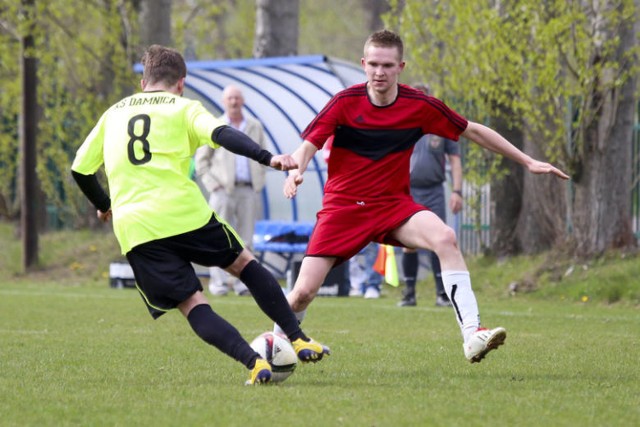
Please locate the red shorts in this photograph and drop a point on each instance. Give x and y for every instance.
(345, 225)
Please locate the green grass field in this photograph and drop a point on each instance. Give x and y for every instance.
(75, 352)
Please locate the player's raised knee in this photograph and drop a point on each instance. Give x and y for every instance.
(444, 241)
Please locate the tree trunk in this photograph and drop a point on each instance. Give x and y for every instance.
(373, 10)
(542, 221)
(155, 22)
(506, 194)
(601, 213)
(602, 204)
(29, 124)
(277, 28)
(529, 212)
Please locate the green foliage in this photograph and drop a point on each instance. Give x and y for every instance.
(207, 30)
(82, 70)
(326, 29)
(526, 57)
(9, 106)
(85, 53)
(83, 67)
(553, 276)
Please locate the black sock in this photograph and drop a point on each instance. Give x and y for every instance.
(216, 331)
(437, 275)
(268, 294)
(410, 269)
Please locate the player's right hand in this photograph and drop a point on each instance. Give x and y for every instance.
(291, 185)
(283, 162)
(538, 167)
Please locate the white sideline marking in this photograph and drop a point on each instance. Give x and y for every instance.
(40, 293)
(23, 332)
(331, 302)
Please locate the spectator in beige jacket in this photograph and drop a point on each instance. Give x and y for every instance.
(233, 183)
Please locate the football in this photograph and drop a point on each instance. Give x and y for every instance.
(277, 350)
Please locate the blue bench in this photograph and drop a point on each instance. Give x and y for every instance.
(286, 239)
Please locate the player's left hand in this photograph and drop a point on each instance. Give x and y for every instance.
(291, 184)
(539, 167)
(283, 162)
(104, 216)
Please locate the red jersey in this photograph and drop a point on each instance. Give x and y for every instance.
(373, 145)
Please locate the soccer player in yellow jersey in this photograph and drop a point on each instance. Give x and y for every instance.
(160, 218)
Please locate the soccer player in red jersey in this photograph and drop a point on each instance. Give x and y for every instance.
(375, 126)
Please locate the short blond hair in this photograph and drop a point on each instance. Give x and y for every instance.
(385, 38)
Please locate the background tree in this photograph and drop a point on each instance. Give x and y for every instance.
(277, 23)
(335, 28)
(526, 63)
(506, 194)
(155, 22)
(80, 49)
(601, 146)
(374, 11)
(28, 131)
(226, 29)
(206, 29)
(10, 81)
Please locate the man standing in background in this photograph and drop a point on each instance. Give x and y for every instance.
(233, 183)
(431, 152)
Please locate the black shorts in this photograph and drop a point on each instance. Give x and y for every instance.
(162, 268)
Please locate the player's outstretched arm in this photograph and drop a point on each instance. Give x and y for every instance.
(303, 155)
(492, 140)
(239, 143)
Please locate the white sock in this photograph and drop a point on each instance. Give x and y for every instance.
(457, 285)
(278, 330)
(300, 316)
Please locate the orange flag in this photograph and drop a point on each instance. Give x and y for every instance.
(381, 260)
(386, 264)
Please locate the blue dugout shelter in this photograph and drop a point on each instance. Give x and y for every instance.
(285, 94)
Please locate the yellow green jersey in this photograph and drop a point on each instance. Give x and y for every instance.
(146, 143)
